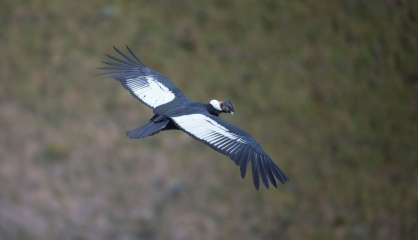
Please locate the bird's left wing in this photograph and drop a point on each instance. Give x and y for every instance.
(233, 142)
(147, 85)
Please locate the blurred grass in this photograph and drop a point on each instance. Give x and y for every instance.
(329, 89)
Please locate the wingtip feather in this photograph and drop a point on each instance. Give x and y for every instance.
(263, 170)
(256, 179)
(134, 56)
(244, 162)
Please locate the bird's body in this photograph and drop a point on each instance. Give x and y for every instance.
(173, 110)
(163, 119)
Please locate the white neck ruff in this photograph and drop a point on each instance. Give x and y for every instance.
(216, 104)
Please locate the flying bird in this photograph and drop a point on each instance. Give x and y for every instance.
(173, 110)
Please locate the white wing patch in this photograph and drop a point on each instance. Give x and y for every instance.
(208, 130)
(149, 90)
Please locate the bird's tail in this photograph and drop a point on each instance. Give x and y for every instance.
(149, 129)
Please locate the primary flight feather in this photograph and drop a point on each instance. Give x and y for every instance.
(173, 110)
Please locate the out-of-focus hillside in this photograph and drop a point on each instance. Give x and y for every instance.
(329, 88)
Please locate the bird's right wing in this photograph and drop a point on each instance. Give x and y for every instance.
(233, 142)
(147, 85)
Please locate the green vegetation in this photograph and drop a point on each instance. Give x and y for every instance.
(329, 88)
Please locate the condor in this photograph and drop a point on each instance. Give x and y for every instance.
(173, 110)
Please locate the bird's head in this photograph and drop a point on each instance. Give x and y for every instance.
(225, 106)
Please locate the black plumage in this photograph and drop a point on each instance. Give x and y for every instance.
(173, 110)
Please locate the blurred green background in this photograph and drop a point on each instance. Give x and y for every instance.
(329, 88)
